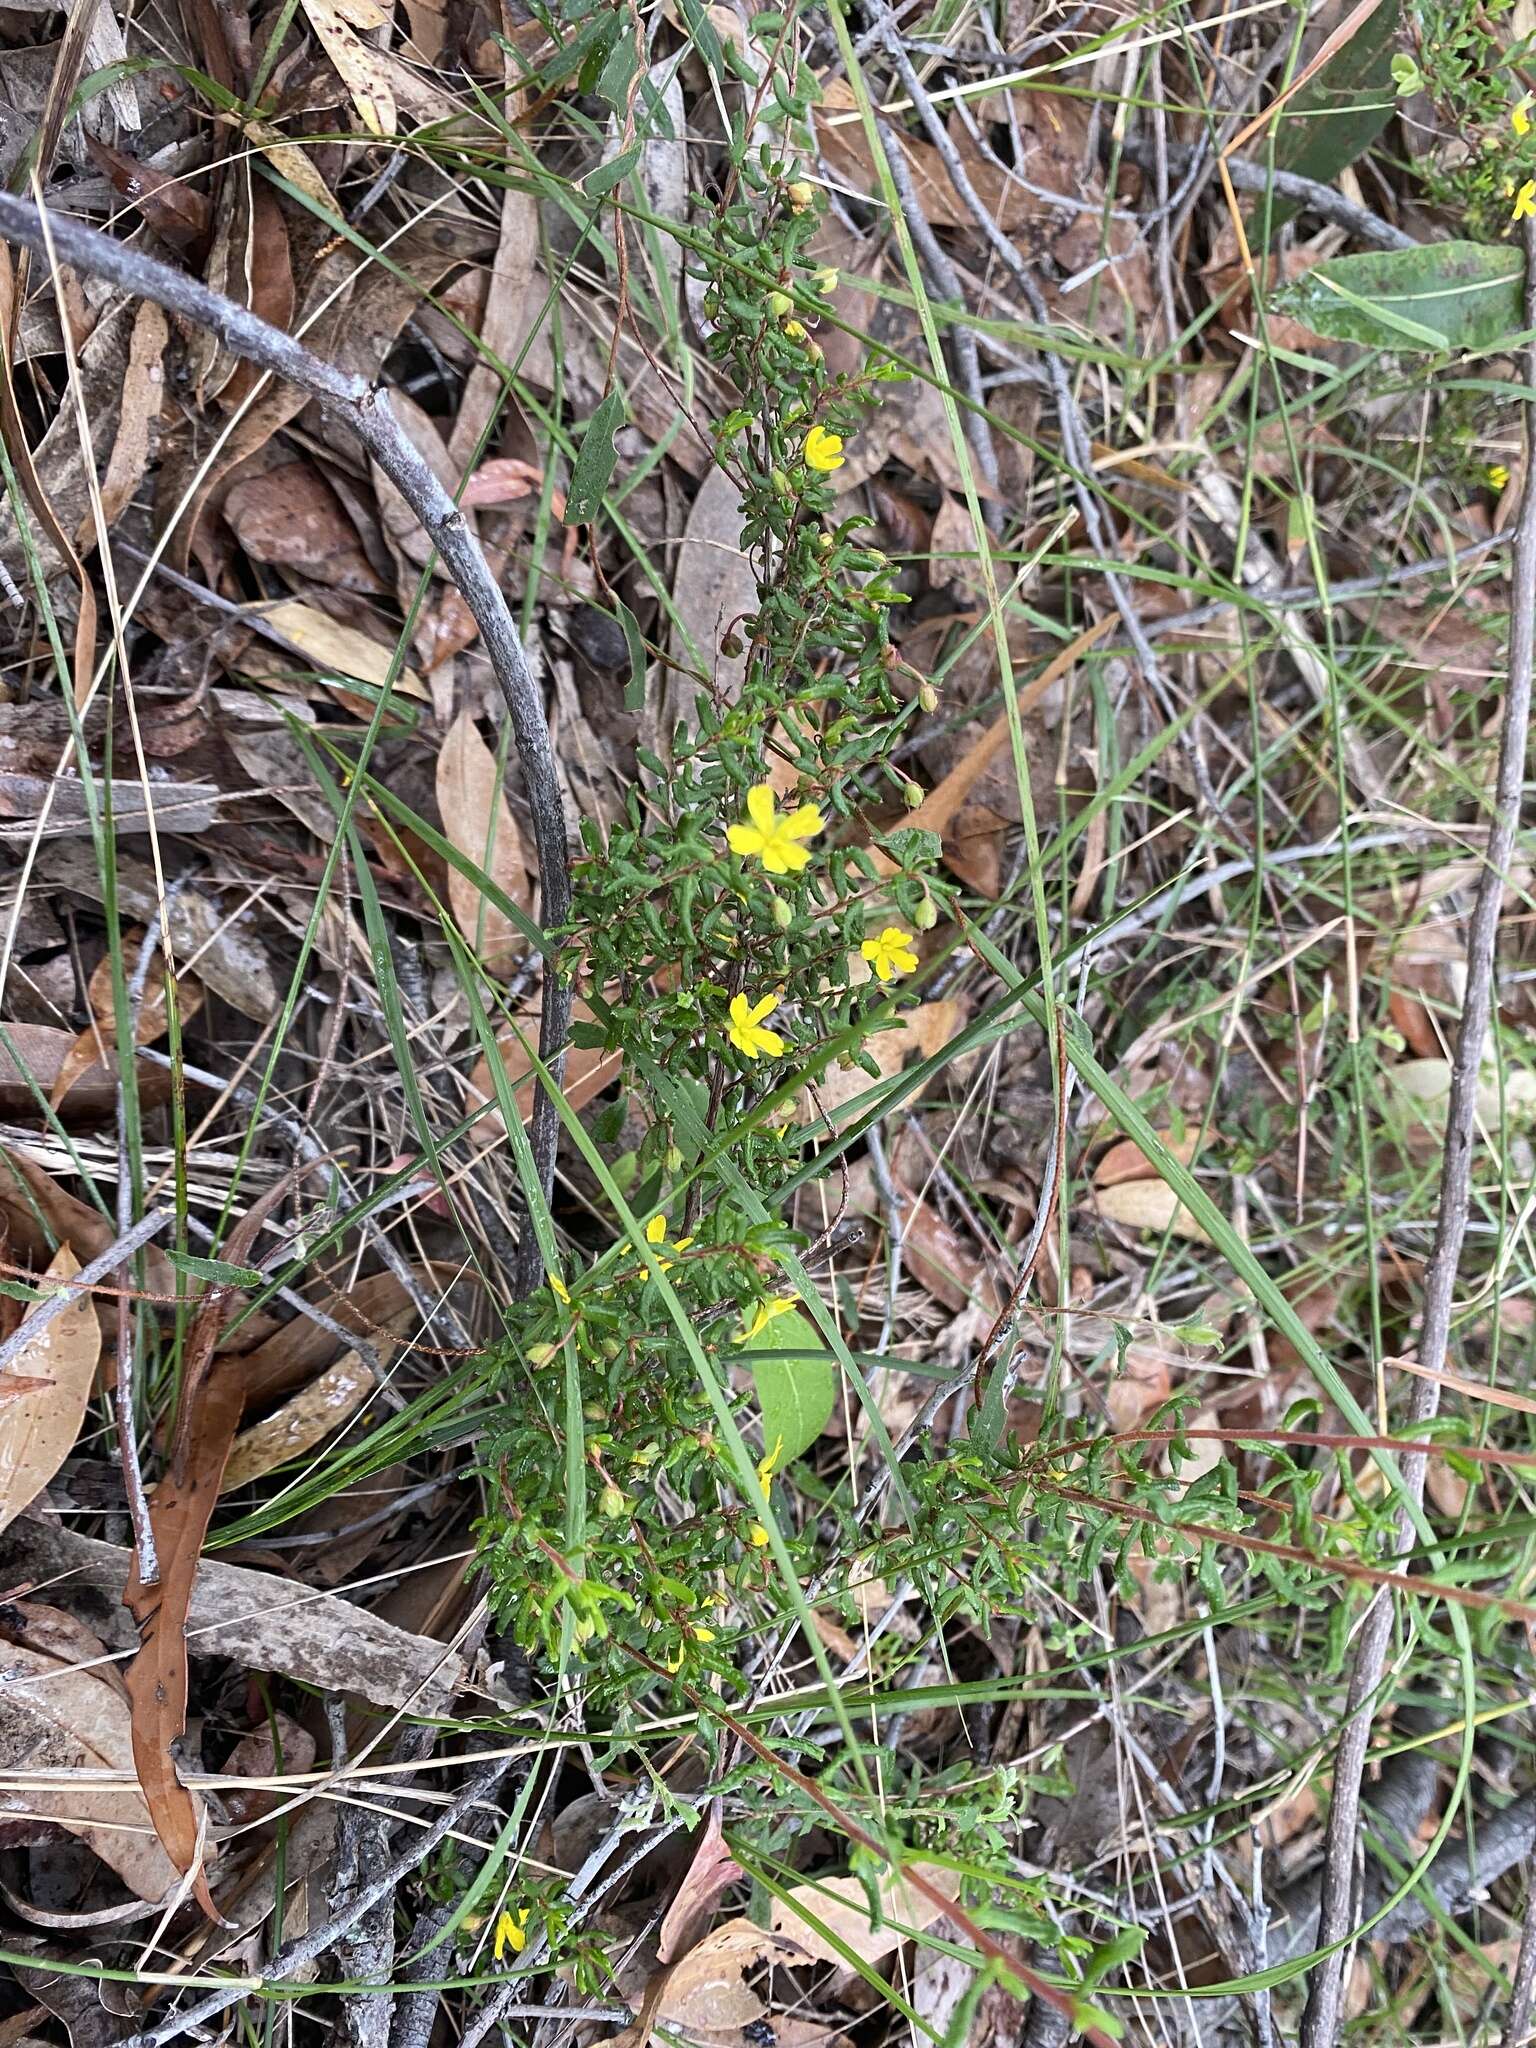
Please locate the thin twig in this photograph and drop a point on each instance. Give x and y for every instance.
(978, 429)
(124, 1391)
(368, 413)
(1320, 2021)
(1517, 2027)
(100, 1268)
(307, 1948)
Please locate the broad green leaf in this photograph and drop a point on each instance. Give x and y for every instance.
(594, 461)
(1332, 122)
(796, 1382)
(1443, 296)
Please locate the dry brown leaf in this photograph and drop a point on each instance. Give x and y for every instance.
(56, 1718)
(939, 808)
(143, 391)
(301, 1423)
(33, 1055)
(265, 281)
(474, 809)
(1142, 1385)
(502, 481)
(207, 1416)
(98, 1041)
(334, 648)
(840, 1905)
(39, 1427)
(1148, 1205)
(1125, 1160)
(588, 1071)
(706, 1994)
(357, 63)
(711, 1872)
(175, 209)
(290, 516)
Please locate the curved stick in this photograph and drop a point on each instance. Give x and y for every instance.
(367, 412)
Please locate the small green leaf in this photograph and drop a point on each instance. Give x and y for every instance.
(216, 1271)
(1442, 296)
(596, 183)
(594, 462)
(796, 1382)
(634, 640)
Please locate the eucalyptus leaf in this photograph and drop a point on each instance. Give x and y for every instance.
(1439, 298)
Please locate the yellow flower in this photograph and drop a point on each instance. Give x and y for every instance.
(1498, 476)
(656, 1233)
(794, 330)
(891, 953)
(700, 1635)
(774, 839)
(762, 1314)
(558, 1288)
(757, 1534)
(1525, 201)
(824, 451)
(746, 1032)
(510, 1934)
(1520, 116)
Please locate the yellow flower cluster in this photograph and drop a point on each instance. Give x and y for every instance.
(777, 839)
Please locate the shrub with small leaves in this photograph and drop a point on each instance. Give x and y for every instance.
(751, 918)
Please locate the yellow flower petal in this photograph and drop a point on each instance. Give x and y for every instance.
(510, 1934)
(772, 838)
(1525, 201)
(656, 1230)
(824, 450)
(558, 1288)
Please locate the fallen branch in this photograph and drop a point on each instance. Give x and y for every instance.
(1322, 200)
(366, 410)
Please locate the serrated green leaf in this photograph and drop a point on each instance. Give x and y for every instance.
(1443, 296)
(594, 462)
(796, 1382)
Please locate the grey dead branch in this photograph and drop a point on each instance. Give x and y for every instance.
(252, 1618)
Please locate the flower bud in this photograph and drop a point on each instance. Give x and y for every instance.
(928, 697)
(825, 280)
(800, 195)
(926, 915)
(912, 796)
(611, 1502)
(783, 916)
(540, 1354)
(779, 303)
